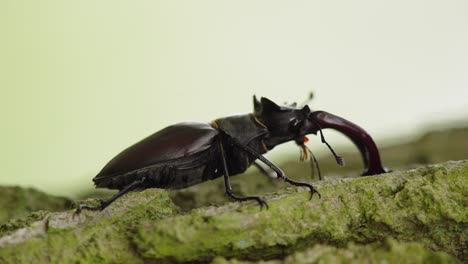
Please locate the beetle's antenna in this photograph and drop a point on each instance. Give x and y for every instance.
(316, 164)
(306, 153)
(338, 159)
(311, 96)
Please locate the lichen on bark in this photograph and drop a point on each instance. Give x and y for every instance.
(421, 210)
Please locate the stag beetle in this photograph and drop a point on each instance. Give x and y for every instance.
(189, 153)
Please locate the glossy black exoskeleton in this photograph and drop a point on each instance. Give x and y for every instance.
(188, 153)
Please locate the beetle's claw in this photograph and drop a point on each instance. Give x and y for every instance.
(262, 203)
(77, 212)
(312, 188)
(87, 207)
(312, 191)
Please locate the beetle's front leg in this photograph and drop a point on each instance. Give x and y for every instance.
(278, 171)
(227, 183)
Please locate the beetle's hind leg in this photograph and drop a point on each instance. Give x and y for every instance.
(227, 183)
(104, 204)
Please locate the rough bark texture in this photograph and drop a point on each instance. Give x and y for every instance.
(420, 215)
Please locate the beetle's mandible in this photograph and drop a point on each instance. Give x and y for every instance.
(189, 153)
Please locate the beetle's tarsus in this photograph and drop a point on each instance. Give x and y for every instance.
(87, 207)
(312, 193)
(260, 201)
(295, 183)
(264, 203)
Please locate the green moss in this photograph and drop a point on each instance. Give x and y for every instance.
(424, 210)
(92, 237)
(15, 224)
(410, 206)
(16, 202)
(388, 251)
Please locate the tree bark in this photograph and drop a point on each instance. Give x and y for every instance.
(385, 216)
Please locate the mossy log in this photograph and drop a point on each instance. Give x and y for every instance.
(421, 211)
(16, 202)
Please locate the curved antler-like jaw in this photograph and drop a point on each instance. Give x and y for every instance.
(364, 142)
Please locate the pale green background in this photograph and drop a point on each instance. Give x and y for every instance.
(82, 80)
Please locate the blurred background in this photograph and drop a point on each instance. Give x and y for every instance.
(82, 80)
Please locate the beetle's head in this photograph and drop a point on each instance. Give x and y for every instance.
(284, 123)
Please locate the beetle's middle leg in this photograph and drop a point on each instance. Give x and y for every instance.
(227, 183)
(278, 171)
(106, 203)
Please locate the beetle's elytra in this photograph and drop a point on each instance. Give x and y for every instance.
(185, 154)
